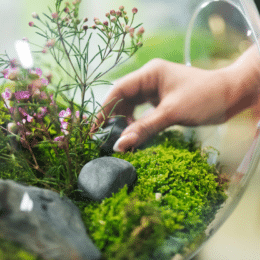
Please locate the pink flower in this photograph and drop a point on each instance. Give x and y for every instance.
(29, 119)
(44, 82)
(77, 114)
(65, 132)
(11, 73)
(14, 63)
(43, 95)
(65, 114)
(42, 111)
(50, 43)
(7, 95)
(22, 95)
(22, 111)
(36, 71)
(59, 138)
(55, 15)
(31, 24)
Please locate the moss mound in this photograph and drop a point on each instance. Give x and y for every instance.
(176, 196)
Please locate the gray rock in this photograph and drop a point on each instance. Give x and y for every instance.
(111, 133)
(44, 223)
(101, 177)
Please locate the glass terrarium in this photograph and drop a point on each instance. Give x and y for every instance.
(211, 35)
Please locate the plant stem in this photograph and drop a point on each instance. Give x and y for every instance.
(68, 56)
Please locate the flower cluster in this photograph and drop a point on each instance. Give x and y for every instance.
(26, 101)
(46, 120)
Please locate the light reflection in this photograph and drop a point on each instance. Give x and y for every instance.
(24, 54)
(26, 203)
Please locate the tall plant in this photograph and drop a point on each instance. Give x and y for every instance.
(53, 129)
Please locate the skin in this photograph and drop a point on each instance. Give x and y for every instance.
(182, 95)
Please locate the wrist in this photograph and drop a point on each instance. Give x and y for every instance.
(244, 77)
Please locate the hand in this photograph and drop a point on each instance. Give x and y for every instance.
(181, 95)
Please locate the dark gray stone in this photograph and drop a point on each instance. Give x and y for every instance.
(112, 132)
(101, 177)
(44, 223)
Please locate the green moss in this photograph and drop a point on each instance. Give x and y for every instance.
(136, 225)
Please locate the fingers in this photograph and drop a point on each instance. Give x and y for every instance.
(131, 90)
(141, 130)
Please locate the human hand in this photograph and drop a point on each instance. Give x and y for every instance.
(181, 95)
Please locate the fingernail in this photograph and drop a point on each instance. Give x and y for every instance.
(115, 147)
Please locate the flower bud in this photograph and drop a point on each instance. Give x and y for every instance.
(113, 20)
(35, 15)
(118, 13)
(113, 12)
(121, 7)
(127, 27)
(108, 15)
(50, 43)
(105, 23)
(126, 19)
(124, 12)
(97, 22)
(55, 15)
(66, 10)
(85, 20)
(134, 10)
(139, 44)
(85, 27)
(131, 32)
(140, 31)
(31, 24)
(94, 26)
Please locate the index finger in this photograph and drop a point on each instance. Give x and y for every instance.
(135, 87)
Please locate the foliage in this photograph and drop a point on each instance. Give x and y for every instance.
(175, 198)
(49, 131)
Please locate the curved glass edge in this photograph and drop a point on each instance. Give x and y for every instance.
(241, 178)
(246, 9)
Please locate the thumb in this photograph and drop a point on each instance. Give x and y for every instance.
(141, 130)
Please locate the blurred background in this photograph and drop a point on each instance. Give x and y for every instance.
(219, 36)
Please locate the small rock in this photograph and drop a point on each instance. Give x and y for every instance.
(44, 223)
(112, 132)
(101, 177)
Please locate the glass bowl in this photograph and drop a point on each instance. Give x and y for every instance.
(218, 33)
(230, 27)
